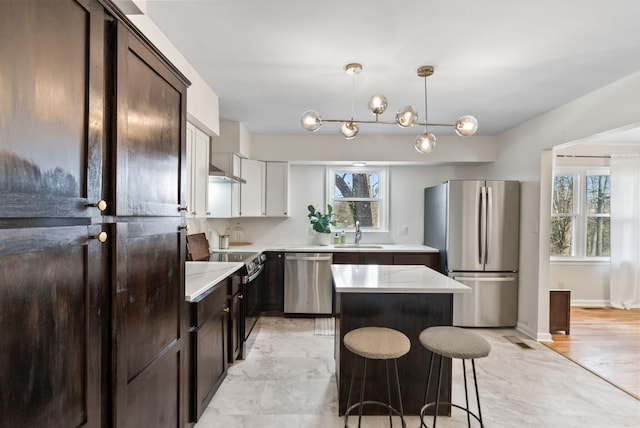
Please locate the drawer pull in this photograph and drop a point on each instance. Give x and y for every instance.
(102, 237)
(101, 205)
(226, 309)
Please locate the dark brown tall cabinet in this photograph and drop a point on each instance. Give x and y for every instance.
(92, 138)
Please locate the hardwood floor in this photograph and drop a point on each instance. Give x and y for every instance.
(605, 341)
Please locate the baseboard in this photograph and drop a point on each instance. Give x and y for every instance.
(539, 337)
(590, 303)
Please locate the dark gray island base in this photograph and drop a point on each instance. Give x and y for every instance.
(406, 310)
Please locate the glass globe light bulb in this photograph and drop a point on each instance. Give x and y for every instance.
(349, 129)
(377, 104)
(311, 120)
(406, 117)
(466, 126)
(426, 142)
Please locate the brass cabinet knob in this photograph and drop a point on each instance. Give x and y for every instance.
(226, 309)
(102, 237)
(185, 227)
(240, 296)
(100, 205)
(185, 208)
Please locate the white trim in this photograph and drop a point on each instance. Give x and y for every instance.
(590, 303)
(539, 337)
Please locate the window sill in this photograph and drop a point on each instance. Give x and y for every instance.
(576, 261)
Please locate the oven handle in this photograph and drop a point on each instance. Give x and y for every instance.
(247, 279)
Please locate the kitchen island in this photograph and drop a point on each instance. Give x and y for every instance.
(406, 298)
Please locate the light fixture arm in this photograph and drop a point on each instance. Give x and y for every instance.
(406, 117)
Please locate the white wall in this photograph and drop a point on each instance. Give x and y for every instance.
(588, 282)
(615, 106)
(202, 101)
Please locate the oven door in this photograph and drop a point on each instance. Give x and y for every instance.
(250, 309)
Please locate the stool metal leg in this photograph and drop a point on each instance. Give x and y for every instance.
(386, 366)
(475, 381)
(364, 378)
(395, 363)
(466, 392)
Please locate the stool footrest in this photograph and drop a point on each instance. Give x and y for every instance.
(445, 403)
(377, 403)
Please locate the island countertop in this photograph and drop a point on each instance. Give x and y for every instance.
(393, 279)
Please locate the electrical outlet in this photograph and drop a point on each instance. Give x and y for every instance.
(403, 230)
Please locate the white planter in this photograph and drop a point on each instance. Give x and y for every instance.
(323, 238)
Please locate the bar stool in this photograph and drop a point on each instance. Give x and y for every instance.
(376, 343)
(453, 342)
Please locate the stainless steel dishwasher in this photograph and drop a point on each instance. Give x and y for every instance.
(308, 286)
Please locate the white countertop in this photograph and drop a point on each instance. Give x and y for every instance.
(393, 279)
(363, 247)
(201, 276)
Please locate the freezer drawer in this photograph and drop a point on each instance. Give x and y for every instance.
(493, 301)
(308, 283)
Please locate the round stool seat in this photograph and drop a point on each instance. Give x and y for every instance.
(454, 342)
(377, 343)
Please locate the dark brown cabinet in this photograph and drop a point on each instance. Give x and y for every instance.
(209, 346)
(386, 258)
(91, 294)
(273, 293)
(559, 311)
(53, 349)
(235, 332)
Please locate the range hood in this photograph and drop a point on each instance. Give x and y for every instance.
(225, 167)
(219, 174)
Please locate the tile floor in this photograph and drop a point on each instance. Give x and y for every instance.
(288, 382)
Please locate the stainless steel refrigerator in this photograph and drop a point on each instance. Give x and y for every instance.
(475, 225)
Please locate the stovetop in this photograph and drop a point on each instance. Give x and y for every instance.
(231, 256)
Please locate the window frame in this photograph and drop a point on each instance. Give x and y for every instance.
(579, 215)
(382, 199)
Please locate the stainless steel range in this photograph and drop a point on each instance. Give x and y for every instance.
(250, 294)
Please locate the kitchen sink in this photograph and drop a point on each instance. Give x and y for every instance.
(357, 246)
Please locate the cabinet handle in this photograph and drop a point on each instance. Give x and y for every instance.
(240, 296)
(226, 309)
(185, 208)
(102, 237)
(185, 227)
(101, 205)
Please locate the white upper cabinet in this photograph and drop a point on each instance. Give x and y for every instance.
(277, 189)
(252, 193)
(197, 171)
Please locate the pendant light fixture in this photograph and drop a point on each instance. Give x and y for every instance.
(406, 116)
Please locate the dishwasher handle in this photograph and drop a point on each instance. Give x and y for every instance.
(306, 259)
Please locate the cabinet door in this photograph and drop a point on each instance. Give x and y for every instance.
(147, 324)
(428, 259)
(347, 258)
(252, 196)
(376, 258)
(190, 197)
(150, 156)
(273, 295)
(51, 113)
(197, 146)
(53, 347)
(277, 189)
(201, 174)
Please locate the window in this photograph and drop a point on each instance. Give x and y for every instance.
(358, 193)
(580, 215)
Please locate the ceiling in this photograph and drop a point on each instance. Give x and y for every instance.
(504, 62)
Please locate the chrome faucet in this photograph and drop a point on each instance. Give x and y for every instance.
(358, 233)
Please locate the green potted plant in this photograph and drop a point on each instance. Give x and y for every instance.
(321, 223)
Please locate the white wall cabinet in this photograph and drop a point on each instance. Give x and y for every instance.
(277, 189)
(197, 172)
(252, 193)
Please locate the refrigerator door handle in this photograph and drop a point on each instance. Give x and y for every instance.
(484, 279)
(483, 225)
(489, 221)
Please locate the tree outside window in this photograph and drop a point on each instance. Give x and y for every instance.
(358, 194)
(580, 217)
